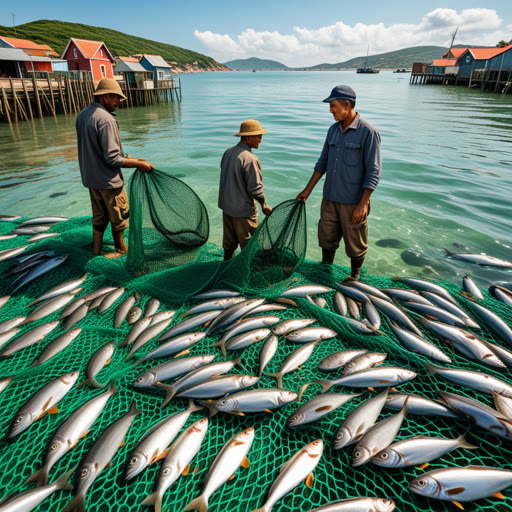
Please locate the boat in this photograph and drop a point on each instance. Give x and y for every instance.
(368, 69)
(401, 70)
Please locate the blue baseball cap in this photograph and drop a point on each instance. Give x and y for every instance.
(341, 92)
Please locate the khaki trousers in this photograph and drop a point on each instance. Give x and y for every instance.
(109, 205)
(237, 231)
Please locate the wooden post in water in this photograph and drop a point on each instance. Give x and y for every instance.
(36, 93)
(29, 105)
(6, 106)
(50, 85)
(14, 102)
(62, 99)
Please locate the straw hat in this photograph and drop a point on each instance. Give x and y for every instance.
(109, 86)
(250, 127)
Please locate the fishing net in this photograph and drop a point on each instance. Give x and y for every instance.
(168, 222)
(274, 444)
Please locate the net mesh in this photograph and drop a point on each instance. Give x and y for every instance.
(274, 444)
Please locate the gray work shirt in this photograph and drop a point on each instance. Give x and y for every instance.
(100, 153)
(350, 160)
(240, 182)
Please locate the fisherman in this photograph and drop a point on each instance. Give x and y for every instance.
(240, 187)
(351, 160)
(101, 157)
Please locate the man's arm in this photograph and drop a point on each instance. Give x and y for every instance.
(138, 162)
(255, 185)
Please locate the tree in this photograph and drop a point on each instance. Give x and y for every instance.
(502, 44)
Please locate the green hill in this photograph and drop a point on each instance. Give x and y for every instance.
(397, 59)
(57, 33)
(254, 63)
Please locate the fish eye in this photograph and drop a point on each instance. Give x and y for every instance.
(134, 460)
(55, 446)
(166, 471)
(223, 402)
(140, 379)
(422, 483)
(339, 435)
(357, 455)
(19, 419)
(84, 472)
(384, 455)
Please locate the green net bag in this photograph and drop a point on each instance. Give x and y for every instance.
(168, 222)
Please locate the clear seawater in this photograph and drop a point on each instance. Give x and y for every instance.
(447, 160)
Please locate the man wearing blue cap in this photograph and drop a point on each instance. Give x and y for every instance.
(351, 161)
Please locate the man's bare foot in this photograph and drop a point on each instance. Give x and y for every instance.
(113, 255)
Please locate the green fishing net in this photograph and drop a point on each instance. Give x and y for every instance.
(274, 444)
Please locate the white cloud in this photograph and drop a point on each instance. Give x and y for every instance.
(340, 42)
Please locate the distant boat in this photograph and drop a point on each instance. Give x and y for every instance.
(367, 69)
(254, 71)
(401, 70)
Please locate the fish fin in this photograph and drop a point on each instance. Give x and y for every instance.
(182, 353)
(299, 367)
(360, 430)
(455, 490)
(238, 361)
(456, 503)
(236, 413)
(109, 361)
(448, 253)
(62, 483)
(196, 470)
(209, 405)
(325, 408)
(169, 392)
(371, 389)
(40, 476)
(112, 387)
(82, 436)
(91, 381)
(53, 410)
(200, 503)
(139, 362)
(207, 325)
(431, 368)
(44, 409)
(123, 343)
(186, 470)
(394, 390)
(192, 407)
(423, 466)
(269, 411)
(245, 463)
(309, 480)
(464, 444)
(109, 464)
(278, 377)
(232, 477)
(498, 495)
(154, 499)
(184, 315)
(76, 504)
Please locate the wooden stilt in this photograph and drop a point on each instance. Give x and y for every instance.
(6, 106)
(62, 99)
(36, 93)
(14, 102)
(29, 105)
(50, 86)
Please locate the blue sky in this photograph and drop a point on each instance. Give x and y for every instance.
(296, 32)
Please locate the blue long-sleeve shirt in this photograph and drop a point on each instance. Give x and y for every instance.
(351, 161)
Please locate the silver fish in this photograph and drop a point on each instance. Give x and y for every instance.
(419, 405)
(403, 294)
(267, 352)
(317, 408)
(29, 338)
(57, 345)
(503, 405)
(470, 287)
(213, 304)
(359, 504)
(436, 313)
(42, 402)
(110, 300)
(161, 316)
(6, 336)
(42, 236)
(493, 322)
(293, 324)
(418, 450)
(43, 220)
(95, 304)
(293, 472)
(301, 291)
(146, 336)
(152, 446)
(134, 314)
(293, 361)
(123, 309)
(29, 500)
(177, 461)
(68, 435)
(8, 237)
(99, 359)
(60, 289)
(151, 307)
(307, 334)
(364, 361)
(371, 314)
(369, 290)
(43, 268)
(9, 218)
(98, 293)
(382, 376)
(98, 457)
(25, 266)
(233, 313)
(339, 359)
(319, 301)
(419, 344)
(70, 308)
(395, 313)
(4, 383)
(479, 414)
(31, 230)
(502, 294)
(190, 323)
(359, 421)
(4, 300)
(138, 327)
(247, 339)
(379, 436)
(170, 369)
(340, 304)
(461, 484)
(48, 307)
(480, 259)
(420, 284)
(353, 293)
(10, 253)
(449, 306)
(478, 381)
(363, 327)
(266, 308)
(195, 377)
(228, 460)
(215, 294)
(39, 255)
(76, 316)
(254, 400)
(353, 308)
(219, 385)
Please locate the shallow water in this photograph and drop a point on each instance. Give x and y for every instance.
(447, 160)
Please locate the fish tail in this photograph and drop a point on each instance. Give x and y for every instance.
(221, 345)
(123, 343)
(40, 477)
(448, 253)
(209, 405)
(238, 361)
(169, 392)
(92, 381)
(133, 409)
(112, 387)
(464, 444)
(154, 499)
(200, 504)
(193, 407)
(130, 354)
(62, 483)
(278, 377)
(140, 361)
(431, 368)
(77, 504)
(326, 384)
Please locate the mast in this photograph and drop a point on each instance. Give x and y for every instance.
(453, 39)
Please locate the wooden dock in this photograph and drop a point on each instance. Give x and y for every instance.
(46, 94)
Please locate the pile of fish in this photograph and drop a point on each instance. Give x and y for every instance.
(163, 349)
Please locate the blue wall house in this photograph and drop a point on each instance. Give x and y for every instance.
(134, 74)
(161, 70)
(501, 61)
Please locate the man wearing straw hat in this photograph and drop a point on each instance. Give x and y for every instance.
(241, 186)
(101, 157)
(351, 162)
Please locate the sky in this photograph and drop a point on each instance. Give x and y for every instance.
(294, 32)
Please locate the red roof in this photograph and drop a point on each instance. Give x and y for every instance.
(455, 52)
(29, 46)
(444, 62)
(487, 53)
(88, 48)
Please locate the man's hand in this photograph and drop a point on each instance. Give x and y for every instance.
(266, 209)
(302, 196)
(144, 166)
(359, 214)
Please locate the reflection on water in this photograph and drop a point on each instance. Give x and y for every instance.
(446, 160)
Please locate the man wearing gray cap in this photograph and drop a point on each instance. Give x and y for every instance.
(351, 162)
(241, 186)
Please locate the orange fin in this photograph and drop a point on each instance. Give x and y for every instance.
(83, 435)
(458, 504)
(121, 445)
(246, 463)
(53, 410)
(268, 410)
(208, 323)
(196, 470)
(394, 390)
(187, 351)
(371, 389)
(231, 477)
(238, 413)
(498, 495)
(109, 464)
(423, 466)
(186, 470)
(309, 480)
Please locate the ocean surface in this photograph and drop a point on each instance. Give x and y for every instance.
(447, 160)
